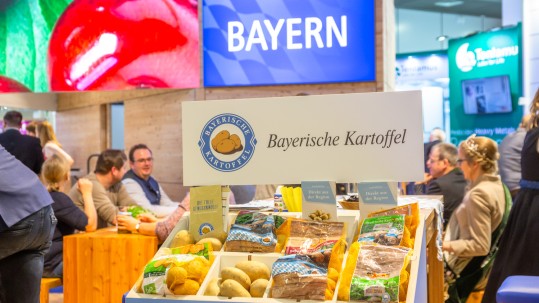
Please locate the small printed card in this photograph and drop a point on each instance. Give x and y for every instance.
(319, 202)
(375, 196)
(207, 210)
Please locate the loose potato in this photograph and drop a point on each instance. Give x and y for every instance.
(213, 287)
(189, 287)
(183, 237)
(224, 134)
(231, 288)
(232, 273)
(215, 243)
(254, 269)
(258, 288)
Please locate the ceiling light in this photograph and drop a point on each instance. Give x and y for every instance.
(448, 3)
(442, 38)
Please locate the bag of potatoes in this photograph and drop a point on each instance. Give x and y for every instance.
(375, 273)
(175, 274)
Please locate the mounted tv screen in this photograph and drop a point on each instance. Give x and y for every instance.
(490, 95)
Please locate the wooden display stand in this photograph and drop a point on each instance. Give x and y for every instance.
(103, 265)
(425, 286)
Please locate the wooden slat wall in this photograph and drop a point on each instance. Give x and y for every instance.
(154, 116)
(80, 131)
(156, 122)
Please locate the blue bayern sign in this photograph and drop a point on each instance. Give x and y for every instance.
(264, 42)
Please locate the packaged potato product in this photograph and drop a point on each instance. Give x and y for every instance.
(375, 273)
(252, 232)
(201, 249)
(298, 277)
(311, 236)
(175, 274)
(411, 212)
(384, 230)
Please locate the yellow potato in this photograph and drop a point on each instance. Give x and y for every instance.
(176, 275)
(254, 269)
(232, 273)
(183, 237)
(225, 146)
(231, 288)
(213, 287)
(237, 141)
(224, 134)
(331, 285)
(333, 274)
(258, 288)
(190, 287)
(215, 243)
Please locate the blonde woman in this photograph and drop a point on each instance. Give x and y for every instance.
(54, 174)
(473, 226)
(50, 144)
(519, 245)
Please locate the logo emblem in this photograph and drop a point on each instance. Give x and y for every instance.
(227, 142)
(464, 58)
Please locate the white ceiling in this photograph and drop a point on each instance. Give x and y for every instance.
(488, 8)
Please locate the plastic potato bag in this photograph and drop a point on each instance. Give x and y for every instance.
(384, 230)
(310, 236)
(298, 277)
(375, 273)
(252, 232)
(411, 212)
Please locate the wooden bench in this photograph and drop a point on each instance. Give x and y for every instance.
(46, 285)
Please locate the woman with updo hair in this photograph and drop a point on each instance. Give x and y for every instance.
(54, 175)
(476, 224)
(519, 244)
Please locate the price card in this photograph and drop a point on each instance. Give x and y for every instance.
(375, 196)
(319, 202)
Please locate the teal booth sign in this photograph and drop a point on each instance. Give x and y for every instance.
(485, 72)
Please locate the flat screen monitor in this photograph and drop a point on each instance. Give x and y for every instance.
(490, 95)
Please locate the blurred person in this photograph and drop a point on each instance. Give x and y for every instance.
(474, 228)
(54, 174)
(510, 149)
(437, 135)
(26, 226)
(31, 129)
(108, 192)
(25, 148)
(447, 179)
(147, 224)
(142, 187)
(518, 245)
(50, 144)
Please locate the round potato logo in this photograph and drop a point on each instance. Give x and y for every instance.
(227, 142)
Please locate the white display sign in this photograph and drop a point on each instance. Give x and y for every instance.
(347, 138)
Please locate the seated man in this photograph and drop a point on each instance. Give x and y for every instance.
(108, 191)
(142, 187)
(447, 179)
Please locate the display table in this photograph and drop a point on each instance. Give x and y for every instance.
(100, 267)
(425, 285)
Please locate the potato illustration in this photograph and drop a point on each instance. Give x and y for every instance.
(237, 141)
(226, 146)
(224, 134)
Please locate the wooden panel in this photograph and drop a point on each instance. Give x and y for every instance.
(286, 90)
(80, 131)
(156, 122)
(103, 265)
(67, 101)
